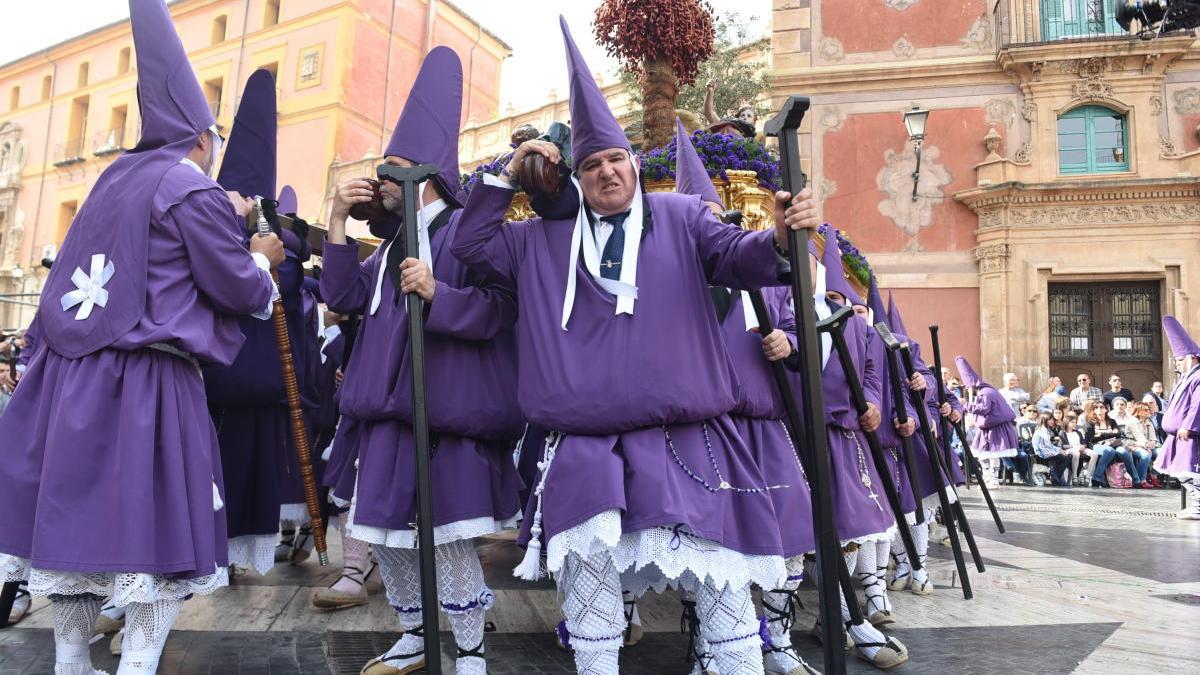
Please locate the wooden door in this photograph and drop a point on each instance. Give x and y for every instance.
(1106, 328)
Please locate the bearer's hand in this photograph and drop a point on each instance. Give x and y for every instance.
(347, 194)
(777, 346)
(268, 245)
(242, 205)
(917, 382)
(416, 277)
(794, 213)
(945, 409)
(870, 419)
(907, 429)
(532, 146)
(338, 377)
(955, 416)
(1183, 435)
(6, 380)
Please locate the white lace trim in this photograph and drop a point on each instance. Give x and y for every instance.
(932, 502)
(988, 454)
(256, 551)
(122, 587)
(657, 557)
(296, 514)
(442, 534)
(870, 538)
(338, 501)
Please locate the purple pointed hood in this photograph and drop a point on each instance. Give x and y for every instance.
(249, 164)
(691, 178)
(835, 271)
(287, 200)
(875, 302)
(1181, 343)
(427, 131)
(593, 126)
(109, 238)
(895, 321)
(969, 377)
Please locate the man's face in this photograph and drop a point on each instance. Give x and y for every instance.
(1031, 413)
(1115, 383)
(1011, 382)
(836, 297)
(608, 181)
(747, 115)
(393, 195)
(5, 371)
(1084, 381)
(1055, 382)
(945, 374)
(1119, 406)
(1151, 404)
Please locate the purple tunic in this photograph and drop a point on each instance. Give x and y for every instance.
(112, 456)
(33, 340)
(889, 437)
(759, 416)
(644, 398)
(997, 435)
(470, 389)
(1183, 412)
(860, 508)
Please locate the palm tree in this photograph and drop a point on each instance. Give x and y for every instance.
(663, 42)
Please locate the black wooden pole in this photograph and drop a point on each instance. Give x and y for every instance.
(898, 388)
(784, 127)
(408, 178)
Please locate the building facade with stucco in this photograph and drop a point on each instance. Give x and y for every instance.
(1057, 210)
(343, 70)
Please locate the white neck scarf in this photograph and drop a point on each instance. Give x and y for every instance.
(823, 312)
(582, 238)
(748, 313)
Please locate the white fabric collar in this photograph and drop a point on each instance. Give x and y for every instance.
(823, 312)
(582, 238)
(425, 215)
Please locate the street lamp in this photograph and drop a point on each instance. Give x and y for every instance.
(914, 121)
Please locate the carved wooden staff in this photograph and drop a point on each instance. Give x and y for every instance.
(292, 389)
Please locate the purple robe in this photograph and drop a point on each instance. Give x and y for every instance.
(759, 417)
(33, 340)
(470, 389)
(860, 507)
(248, 405)
(112, 457)
(889, 437)
(618, 385)
(1183, 412)
(994, 417)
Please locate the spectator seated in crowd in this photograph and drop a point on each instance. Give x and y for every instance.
(1143, 445)
(1050, 395)
(1021, 465)
(1013, 393)
(1071, 441)
(1048, 451)
(1104, 437)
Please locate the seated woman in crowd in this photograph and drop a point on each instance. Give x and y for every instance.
(1022, 464)
(1120, 412)
(1070, 439)
(1049, 397)
(1045, 446)
(1104, 438)
(1143, 445)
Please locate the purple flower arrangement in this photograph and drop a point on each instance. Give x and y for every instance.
(851, 256)
(470, 180)
(720, 152)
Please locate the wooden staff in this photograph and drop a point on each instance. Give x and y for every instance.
(292, 389)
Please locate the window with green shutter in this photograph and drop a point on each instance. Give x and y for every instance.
(1063, 19)
(1092, 139)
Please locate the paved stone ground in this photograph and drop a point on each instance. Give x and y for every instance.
(1086, 581)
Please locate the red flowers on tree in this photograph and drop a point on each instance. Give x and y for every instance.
(663, 42)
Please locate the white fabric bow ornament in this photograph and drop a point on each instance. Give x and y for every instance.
(89, 288)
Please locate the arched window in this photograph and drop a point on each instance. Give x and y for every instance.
(1063, 19)
(1092, 139)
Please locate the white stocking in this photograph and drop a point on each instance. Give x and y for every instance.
(400, 570)
(870, 575)
(729, 624)
(594, 613)
(861, 633)
(146, 628)
(778, 606)
(354, 561)
(74, 621)
(465, 599)
(920, 535)
(900, 555)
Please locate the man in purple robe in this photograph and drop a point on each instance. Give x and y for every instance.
(112, 483)
(471, 388)
(759, 418)
(861, 513)
(643, 471)
(996, 436)
(1180, 456)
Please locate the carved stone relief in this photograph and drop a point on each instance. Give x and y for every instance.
(979, 35)
(1150, 212)
(895, 179)
(1156, 104)
(1187, 101)
(1166, 148)
(831, 49)
(903, 48)
(832, 118)
(827, 188)
(899, 5)
(993, 257)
